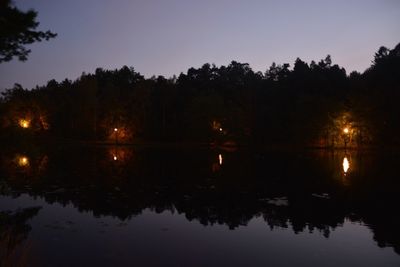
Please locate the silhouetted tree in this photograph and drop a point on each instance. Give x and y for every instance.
(18, 29)
(304, 105)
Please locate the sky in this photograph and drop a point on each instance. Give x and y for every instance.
(166, 37)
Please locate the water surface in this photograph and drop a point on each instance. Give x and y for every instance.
(124, 206)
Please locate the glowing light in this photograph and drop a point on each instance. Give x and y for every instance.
(23, 161)
(220, 129)
(115, 129)
(220, 159)
(24, 123)
(346, 130)
(115, 158)
(346, 165)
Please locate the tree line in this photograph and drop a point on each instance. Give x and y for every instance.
(314, 104)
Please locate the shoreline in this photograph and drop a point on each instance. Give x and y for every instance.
(192, 145)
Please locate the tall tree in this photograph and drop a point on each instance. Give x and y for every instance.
(18, 29)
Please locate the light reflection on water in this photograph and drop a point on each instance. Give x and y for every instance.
(121, 154)
(346, 165)
(265, 194)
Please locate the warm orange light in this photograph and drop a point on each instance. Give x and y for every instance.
(220, 129)
(346, 165)
(220, 159)
(23, 161)
(115, 158)
(346, 130)
(115, 129)
(24, 123)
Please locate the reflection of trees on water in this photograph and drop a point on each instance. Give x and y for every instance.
(301, 191)
(14, 231)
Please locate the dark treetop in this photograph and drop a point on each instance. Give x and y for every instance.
(311, 104)
(17, 29)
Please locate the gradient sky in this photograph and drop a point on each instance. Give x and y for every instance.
(166, 37)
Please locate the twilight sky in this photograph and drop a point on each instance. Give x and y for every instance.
(166, 37)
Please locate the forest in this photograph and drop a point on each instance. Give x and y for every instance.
(314, 104)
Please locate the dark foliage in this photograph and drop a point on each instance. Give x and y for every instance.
(17, 29)
(309, 104)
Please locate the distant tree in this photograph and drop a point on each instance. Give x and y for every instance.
(300, 67)
(17, 29)
(277, 72)
(325, 63)
(303, 105)
(382, 53)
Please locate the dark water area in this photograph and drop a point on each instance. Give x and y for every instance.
(125, 206)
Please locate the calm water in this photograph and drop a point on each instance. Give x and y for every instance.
(116, 206)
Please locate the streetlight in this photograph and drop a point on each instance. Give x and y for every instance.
(23, 161)
(24, 123)
(116, 135)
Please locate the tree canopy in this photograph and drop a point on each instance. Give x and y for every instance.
(307, 104)
(18, 29)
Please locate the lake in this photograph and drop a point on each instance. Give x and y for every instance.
(126, 206)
